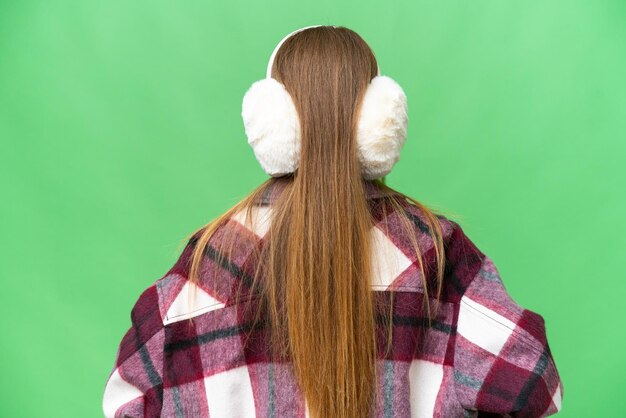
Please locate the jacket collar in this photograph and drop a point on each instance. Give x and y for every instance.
(372, 191)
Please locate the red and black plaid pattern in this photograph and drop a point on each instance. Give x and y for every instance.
(482, 355)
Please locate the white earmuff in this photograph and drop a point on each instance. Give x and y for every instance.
(273, 128)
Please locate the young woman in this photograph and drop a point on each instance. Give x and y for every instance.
(325, 292)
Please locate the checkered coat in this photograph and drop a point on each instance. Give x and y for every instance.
(483, 355)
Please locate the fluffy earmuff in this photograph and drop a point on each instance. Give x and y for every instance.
(382, 126)
(273, 128)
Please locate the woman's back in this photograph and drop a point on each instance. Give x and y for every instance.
(481, 352)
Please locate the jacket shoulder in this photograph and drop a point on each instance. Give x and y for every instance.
(226, 264)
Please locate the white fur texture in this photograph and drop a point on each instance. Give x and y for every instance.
(382, 127)
(273, 127)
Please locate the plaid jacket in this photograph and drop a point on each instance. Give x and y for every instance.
(483, 355)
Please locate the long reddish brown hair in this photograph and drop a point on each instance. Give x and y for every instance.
(312, 278)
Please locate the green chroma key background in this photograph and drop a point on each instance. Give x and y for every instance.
(121, 132)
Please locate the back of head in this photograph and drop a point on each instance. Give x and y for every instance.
(326, 71)
(315, 259)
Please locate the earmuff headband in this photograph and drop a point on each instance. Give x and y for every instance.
(268, 73)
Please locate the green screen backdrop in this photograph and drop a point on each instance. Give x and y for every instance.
(121, 133)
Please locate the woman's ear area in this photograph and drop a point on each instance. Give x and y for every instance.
(382, 126)
(272, 126)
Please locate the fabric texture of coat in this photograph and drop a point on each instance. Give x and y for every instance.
(483, 354)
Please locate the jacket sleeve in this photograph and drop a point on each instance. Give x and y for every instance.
(135, 386)
(502, 359)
